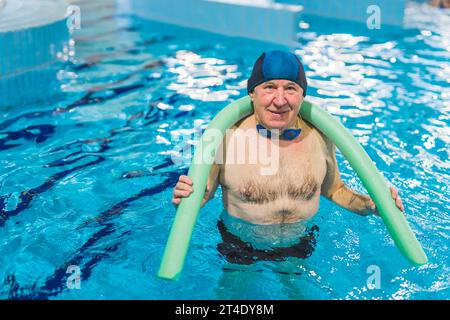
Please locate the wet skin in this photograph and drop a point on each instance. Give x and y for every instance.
(306, 167)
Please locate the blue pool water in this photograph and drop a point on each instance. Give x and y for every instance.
(86, 176)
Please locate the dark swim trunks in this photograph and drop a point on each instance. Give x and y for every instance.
(237, 251)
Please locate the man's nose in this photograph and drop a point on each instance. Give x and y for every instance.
(280, 98)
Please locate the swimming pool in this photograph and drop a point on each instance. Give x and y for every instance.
(87, 175)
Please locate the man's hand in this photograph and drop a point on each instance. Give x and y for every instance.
(182, 189)
(371, 205)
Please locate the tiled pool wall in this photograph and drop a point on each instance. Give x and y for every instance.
(277, 21)
(233, 18)
(391, 11)
(25, 57)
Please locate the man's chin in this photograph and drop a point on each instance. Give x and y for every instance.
(276, 124)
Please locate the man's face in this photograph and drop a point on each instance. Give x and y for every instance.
(277, 103)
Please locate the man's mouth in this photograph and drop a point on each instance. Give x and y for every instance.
(277, 114)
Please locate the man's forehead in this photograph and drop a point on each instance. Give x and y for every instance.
(281, 82)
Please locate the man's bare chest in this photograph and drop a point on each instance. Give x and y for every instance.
(296, 174)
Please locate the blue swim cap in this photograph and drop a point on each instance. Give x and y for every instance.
(277, 64)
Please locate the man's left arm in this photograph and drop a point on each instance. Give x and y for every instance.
(334, 189)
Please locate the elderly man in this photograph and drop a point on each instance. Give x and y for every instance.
(306, 168)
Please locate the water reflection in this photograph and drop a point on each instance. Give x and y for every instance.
(133, 91)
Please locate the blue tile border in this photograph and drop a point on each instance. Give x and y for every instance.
(227, 18)
(25, 57)
(392, 11)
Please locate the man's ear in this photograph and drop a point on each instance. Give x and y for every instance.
(252, 94)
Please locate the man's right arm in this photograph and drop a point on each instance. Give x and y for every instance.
(185, 186)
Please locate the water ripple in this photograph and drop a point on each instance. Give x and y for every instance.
(87, 179)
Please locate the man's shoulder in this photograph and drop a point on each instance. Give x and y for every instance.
(326, 142)
(312, 129)
(243, 123)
